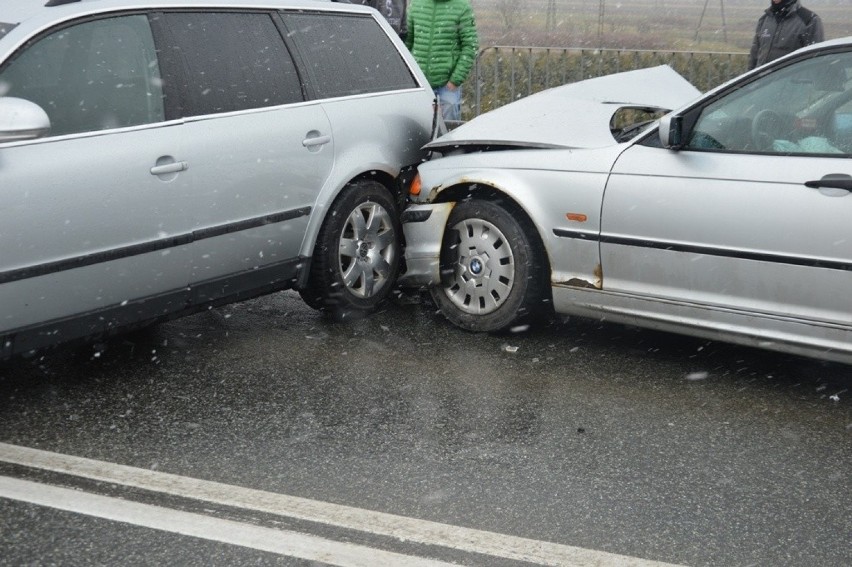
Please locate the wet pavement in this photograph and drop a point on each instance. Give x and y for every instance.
(599, 436)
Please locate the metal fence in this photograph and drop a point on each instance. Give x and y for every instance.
(503, 74)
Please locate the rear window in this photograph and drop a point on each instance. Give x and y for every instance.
(348, 54)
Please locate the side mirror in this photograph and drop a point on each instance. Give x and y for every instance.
(671, 131)
(21, 120)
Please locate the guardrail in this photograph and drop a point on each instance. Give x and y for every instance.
(503, 74)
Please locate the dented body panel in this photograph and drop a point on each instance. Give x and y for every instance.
(576, 115)
(534, 180)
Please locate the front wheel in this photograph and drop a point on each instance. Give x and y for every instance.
(493, 270)
(357, 254)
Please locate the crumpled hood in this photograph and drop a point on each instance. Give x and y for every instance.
(576, 115)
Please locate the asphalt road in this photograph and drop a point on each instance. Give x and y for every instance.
(611, 444)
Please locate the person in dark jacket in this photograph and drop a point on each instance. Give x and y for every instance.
(443, 39)
(783, 28)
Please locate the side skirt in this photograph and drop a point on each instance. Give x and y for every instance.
(817, 339)
(139, 313)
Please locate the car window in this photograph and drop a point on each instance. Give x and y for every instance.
(803, 108)
(348, 54)
(90, 76)
(224, 62)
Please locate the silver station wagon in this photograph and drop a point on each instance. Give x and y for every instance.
(160, 157)
(728, 218)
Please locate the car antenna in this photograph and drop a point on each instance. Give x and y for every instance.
(51, 3)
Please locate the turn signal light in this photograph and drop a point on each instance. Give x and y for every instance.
(415, 187)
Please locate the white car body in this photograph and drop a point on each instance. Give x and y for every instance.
(719, 238)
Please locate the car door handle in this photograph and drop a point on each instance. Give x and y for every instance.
(832, 181)
(314, 141)
(174, 167)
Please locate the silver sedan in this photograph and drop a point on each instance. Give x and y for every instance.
(727, 218)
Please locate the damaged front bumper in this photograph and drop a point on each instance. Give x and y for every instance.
(423, 227)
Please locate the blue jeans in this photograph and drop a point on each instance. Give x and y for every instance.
(450, 102)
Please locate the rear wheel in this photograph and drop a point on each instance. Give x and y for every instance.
(357, 254)
(493, 273)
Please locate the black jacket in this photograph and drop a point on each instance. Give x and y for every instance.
(781, 31)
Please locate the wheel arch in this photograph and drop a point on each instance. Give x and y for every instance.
(489, 192)
(464, 289)
(324, 205)
(323, 281)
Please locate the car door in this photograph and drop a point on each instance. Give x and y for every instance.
(91, 214)
(258, 154)
(746, 225)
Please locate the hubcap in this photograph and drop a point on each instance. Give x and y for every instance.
(484, 270)
(368, 249)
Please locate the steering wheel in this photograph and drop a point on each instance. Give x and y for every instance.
(766, 127)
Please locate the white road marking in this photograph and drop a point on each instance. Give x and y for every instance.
(367, 521)
(282, 542)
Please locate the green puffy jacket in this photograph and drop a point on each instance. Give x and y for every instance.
(442, 37)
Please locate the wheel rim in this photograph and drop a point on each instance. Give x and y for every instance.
(484, 270)
(367, 249)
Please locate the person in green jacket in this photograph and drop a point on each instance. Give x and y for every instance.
(442, 37)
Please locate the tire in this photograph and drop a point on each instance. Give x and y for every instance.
(493, 269)
(357, 255)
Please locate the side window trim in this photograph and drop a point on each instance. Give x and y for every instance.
(308, 94)
(169, 70)
(306, 76)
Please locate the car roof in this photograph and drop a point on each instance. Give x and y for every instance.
(831, 43)
(20, 19)
(34, 12)
(828, 44)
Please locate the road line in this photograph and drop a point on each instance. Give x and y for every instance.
(379, 523)
(281, 542)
